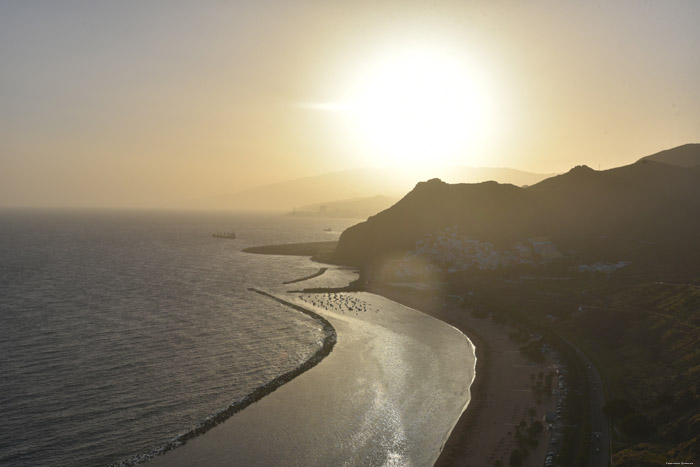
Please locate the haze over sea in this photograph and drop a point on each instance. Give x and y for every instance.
(121, 330)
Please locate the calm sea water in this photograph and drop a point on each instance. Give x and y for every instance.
(122, 330)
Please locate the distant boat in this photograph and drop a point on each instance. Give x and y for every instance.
(230, 235)
(328, 230)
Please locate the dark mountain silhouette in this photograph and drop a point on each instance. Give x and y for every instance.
(641, 322)
(635, 207)
(687, 155)
(485, 210)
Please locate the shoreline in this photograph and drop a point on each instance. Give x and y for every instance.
(318, 273)
(259, 393)
(316, 250)
(453, 449)
(339, 373)
(500, 391)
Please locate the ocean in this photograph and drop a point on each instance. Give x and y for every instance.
(123, 330)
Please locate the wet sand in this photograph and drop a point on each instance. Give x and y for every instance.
(501, 392)
(388, 394)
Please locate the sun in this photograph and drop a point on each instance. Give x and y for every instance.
(417, 106)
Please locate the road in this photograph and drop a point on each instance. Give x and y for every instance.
(600, 426)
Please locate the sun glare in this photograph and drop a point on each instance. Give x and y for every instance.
(417, 107)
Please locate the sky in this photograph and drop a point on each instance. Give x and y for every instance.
(147, 103)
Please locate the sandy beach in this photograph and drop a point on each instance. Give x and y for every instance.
(501, 392)
(499, 397)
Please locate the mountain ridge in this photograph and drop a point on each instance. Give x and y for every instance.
(608, 260)
(687, 155)
(647, 201)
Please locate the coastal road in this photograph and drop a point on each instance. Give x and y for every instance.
(600, 426)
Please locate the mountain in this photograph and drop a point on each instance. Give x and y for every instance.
(687, 155)
(632, 207)
(347, 185)
(464, 174)
(430, 206)
(547, 256)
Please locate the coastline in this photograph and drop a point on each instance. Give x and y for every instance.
(500, 392)
(453, 451)
(318, 273)
(464, 431)
(312, 249)
(398, 362)
(259, 393)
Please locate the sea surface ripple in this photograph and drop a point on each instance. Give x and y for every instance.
(123, 330)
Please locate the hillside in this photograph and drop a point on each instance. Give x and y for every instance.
(653, 330)
(478, 208)
(687, 155)
(609, 259)
(645, 210)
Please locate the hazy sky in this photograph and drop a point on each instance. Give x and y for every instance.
(140, 103)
